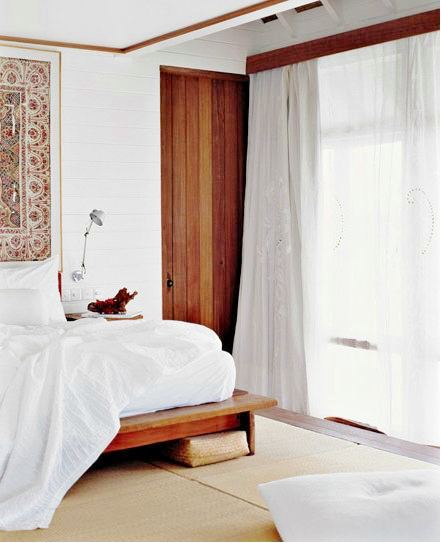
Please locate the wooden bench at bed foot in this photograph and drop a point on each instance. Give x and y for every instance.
(236, 413)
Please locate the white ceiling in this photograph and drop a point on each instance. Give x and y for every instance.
(335, 16)
(118, 24)
(111, 23)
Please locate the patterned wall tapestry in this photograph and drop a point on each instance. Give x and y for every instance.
(25, 176)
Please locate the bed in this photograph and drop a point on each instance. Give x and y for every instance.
(235, 413)
(71, 390)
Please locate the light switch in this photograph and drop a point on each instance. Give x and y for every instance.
(75, 294)
(65, 295)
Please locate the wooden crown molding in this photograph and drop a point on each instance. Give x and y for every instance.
(395, 29)
(64, 44)
(151, 41)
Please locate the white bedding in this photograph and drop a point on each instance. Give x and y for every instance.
(207, 379)
(63, 389)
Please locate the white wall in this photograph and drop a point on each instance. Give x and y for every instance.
(111, 161)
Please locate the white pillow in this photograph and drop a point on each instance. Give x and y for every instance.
(24, 307)
(376, 506)
(35, 275)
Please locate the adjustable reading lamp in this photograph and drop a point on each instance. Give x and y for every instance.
(97, 217)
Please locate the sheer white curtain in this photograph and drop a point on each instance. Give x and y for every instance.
(341, 244)
(379, 279)
(269, 344)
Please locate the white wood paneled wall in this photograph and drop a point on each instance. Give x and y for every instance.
(111, 161)
(111, 143)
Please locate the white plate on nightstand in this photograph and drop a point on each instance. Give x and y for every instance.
(121, 316)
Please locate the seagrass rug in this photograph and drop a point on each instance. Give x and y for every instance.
(137, 496)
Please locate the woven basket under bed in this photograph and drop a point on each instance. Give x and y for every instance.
(207, 449)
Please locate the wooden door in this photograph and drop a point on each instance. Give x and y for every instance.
(203, 150)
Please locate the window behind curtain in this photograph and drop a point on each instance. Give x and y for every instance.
(378, 304)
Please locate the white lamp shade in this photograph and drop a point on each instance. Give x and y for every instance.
(97, 216)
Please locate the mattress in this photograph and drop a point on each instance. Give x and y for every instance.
(209, 379)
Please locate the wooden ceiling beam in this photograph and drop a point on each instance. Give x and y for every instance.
(307, 7)
(394, 29)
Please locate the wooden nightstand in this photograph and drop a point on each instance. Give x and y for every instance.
(77, 316)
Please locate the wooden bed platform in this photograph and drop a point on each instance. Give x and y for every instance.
(236, 413)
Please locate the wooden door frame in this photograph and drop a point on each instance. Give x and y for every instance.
(213, 305)
(167, 169)
(166, 197)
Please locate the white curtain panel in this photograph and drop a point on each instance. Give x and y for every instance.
(361, 311)
(269, 345)
(379, 240)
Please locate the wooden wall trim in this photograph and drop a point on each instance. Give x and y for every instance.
(174, 70)
(395, 29)
(64, 44)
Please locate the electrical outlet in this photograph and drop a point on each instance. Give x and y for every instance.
(96, 293)
(75, 294)
(65, 295)
(87, 293)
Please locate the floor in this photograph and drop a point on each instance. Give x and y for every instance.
(137, 496)
(360, 436)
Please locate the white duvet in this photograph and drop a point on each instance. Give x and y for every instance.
(62, 390)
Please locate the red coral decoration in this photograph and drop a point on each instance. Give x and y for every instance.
(112, 306)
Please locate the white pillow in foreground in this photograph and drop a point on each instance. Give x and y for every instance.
(42, 276)
(375, 506)
(23, 307)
